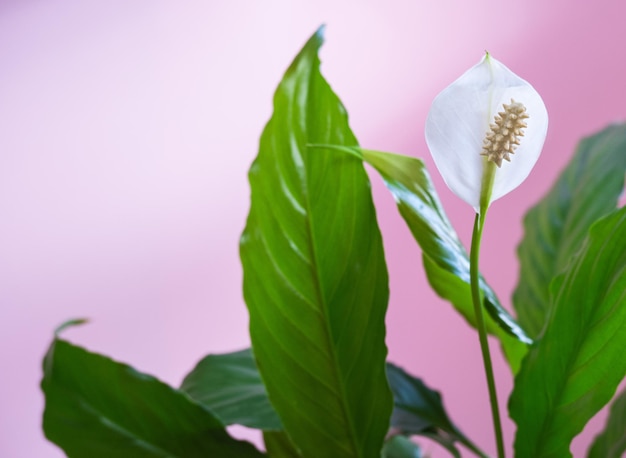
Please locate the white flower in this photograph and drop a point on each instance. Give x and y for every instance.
(487, 115)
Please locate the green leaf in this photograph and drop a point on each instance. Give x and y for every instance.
(230, 386)
(278, 445)
(419, 410)
(445, 259)
(96, 407)
(554, 229)
(401, 447)
(234, 376)
(315, 279)
(611, 443)
(575, 368)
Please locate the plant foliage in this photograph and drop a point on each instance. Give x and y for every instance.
(316, 382)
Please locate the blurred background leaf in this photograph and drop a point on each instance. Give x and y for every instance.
(419, 410)
(575, 367)
(230, 386)
(554, 229)
(611, 442)
(401, 447)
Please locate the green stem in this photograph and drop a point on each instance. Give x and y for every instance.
(482, 330)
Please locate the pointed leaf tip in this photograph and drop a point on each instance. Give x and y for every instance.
(316, 295)
(98, 407)
(69, 324)
(321, 30)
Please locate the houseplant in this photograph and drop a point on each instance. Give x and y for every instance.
(315, 282)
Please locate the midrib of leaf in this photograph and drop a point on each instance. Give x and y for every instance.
(574, 354)
(319, 288)
(136, 440)
(114, 424)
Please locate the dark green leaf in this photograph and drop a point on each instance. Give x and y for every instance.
(611, 443)
(96, 407)
(419, 410)
(575, 368)
(445, 259)
(278, 445)
(401, 447)
(555, 228)
(315, 279)
(230, 386)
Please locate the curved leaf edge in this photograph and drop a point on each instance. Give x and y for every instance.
(619, 215)
(48, 367)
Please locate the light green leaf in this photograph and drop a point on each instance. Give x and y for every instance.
(446, 443)
(99, 408)
(315, 280)
(445, 259)
(575, 368)
(230, 386)
(419, 410)
(401, 447)
(611, 443)
(554, 229)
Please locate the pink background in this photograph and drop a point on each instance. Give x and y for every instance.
(126, 130)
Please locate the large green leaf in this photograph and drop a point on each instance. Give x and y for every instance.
(96, 407)
(419, 410)
(445, 259)
(278, 445)
(555, 228)
(315, 279)
(575, 368)
(611, 443)
(230, 386)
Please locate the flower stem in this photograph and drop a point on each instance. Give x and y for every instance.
(482, 330)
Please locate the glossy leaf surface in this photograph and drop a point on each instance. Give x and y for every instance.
(419, 410)
(230, 386)
(445, 259)
(575, 368)
(555, 228)
(96, 407)
(611, 442)
(315, 280)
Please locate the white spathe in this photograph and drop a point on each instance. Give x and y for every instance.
(460, 117)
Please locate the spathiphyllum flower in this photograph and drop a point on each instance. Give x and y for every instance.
(485, 132)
